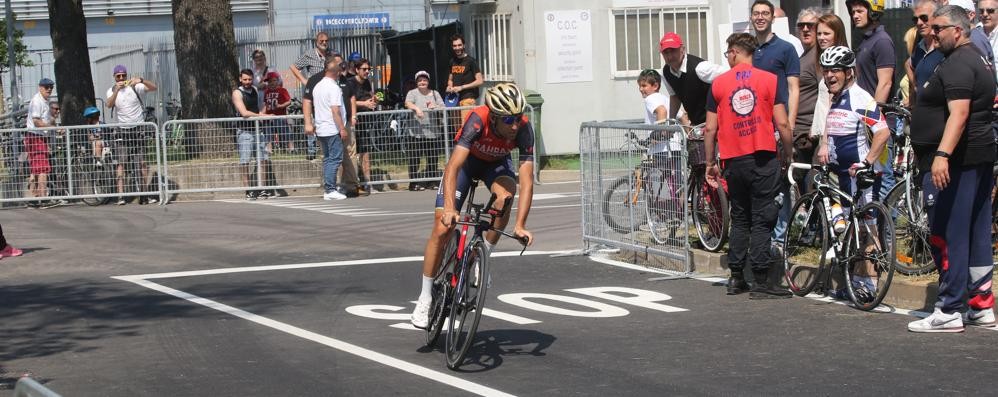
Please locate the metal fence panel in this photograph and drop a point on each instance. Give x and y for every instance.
(89, 163)
(634, 198)
(111, 163)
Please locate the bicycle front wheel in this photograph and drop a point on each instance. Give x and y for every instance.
(911, 230)
(442, 289)
(618, 205)
(90, 180)
(871, 260)
(662, 206)
(711, 214)
(806, 251)
(467, 305)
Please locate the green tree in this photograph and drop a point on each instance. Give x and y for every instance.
(20, 52)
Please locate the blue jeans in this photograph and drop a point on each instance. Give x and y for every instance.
(311, 144)
(332, 148)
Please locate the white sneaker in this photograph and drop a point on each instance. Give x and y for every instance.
(980, 318)
(938, 322)
(421, 315)
(333, 195)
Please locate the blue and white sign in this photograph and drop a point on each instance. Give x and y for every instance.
(375, 20)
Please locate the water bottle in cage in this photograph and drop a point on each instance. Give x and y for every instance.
(838, 218)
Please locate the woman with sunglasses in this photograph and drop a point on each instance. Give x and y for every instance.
(482, 151)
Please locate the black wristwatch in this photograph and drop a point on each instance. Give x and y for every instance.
(940, 153)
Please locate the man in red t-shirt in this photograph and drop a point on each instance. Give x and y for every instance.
(741, 109)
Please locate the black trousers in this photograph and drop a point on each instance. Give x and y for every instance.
(753, 182)
(3, 241)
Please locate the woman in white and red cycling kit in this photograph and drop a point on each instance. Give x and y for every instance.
(482, 151)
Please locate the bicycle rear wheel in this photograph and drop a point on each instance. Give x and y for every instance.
(442, 289)
(871, 261)
(911, 230)
(618, 205)
(806, 245)
(467, 305)
(711, 214)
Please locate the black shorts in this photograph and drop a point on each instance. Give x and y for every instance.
(364, 132)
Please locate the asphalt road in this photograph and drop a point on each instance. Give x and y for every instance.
(303, 297)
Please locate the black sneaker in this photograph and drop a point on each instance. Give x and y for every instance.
(265, 194)
(310, 156)
(281, 193)
(765, 291)
(251, 196)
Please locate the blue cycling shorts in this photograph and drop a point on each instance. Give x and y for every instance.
(475, 168)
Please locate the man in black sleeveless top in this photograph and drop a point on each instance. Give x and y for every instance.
(250, 140)
(683, 81)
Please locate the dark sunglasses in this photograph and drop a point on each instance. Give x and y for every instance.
(512, 119)
(987, 10)
(363, 68)
(809, 25)
(939, 28)
(924, 18)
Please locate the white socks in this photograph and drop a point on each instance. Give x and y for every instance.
(425, 295)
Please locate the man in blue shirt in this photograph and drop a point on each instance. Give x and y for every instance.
(778, 57)
(875, 64)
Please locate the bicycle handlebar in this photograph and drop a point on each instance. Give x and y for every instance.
(799, 166)
(895, 108)
(493, 213)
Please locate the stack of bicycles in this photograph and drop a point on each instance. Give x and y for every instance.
(657, 185)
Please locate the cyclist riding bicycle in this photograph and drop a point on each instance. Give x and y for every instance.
(482, 151)
(846, 144)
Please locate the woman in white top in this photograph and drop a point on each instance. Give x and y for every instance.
(426, 135)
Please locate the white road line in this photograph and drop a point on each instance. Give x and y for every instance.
(337, 344)
(880, 309)
(245, 269)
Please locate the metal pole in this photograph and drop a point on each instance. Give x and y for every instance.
(12, 58)
(429, 13)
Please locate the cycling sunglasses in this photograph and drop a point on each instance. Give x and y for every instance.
(512, 119)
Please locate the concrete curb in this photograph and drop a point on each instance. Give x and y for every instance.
(904, 294)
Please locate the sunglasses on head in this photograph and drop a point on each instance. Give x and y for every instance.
(924, 18)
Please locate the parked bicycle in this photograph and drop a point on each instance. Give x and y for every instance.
(863, 248)
(914, 255)
(462, 280)
(175, 134)
(655, 184)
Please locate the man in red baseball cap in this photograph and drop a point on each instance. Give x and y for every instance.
(689, 88)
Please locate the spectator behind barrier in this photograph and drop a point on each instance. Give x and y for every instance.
(428, 135)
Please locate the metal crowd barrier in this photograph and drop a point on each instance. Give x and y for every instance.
(235, 154)
(626, 192)
(92, 163)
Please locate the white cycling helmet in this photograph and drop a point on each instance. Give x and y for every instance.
(505, 99)
(838, 57)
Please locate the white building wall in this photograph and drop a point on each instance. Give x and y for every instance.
(567, 105)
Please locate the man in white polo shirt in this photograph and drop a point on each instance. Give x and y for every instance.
(330, 114)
